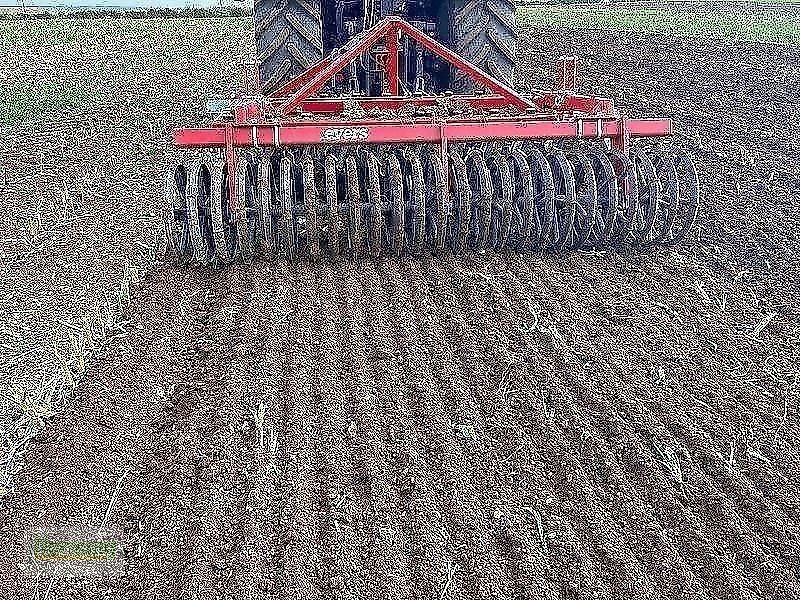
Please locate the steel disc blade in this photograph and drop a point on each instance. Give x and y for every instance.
(607, 197)
(482, 192)
(502, 208)
(311, 205)
(627, 185)
(269, 203)
(376, 222)
(523, 208)
(355, 215)
(688, 200)
(461, 196)
(223, 222)
(332, 188)
(415, 194)
(563, 233)
(179, 242)
(397, 204)
(543, 225)
(648, 199)
(668, 197)
(286, 188)
(585, 199)
(198, 201)
(439, 208)
(248, 224)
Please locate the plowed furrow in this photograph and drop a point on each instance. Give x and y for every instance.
(714, 358)
(177, 476)
(383, 526)
(729, 446)
(298, 456)
(754, 531)
(99, 442)
(677, 499)
(481, 338)
(753, 528)
(253, 381)
(469, 411)
(347, 533)
(224, 517)
(576, 407)
(704, 366)
(456, 463)
(399, 384)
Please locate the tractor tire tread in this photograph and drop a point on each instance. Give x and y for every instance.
(288, 39)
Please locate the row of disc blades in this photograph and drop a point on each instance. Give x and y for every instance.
(358, 201)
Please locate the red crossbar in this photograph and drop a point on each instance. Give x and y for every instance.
(380, 132)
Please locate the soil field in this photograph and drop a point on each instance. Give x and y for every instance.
(593, 425)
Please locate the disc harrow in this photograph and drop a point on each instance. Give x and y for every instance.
(307, 172)
(369, 202)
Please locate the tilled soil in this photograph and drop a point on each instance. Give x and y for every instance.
(585, 426)
(494, 419)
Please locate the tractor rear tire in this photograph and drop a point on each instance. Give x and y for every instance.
(288, 39)
(484, 32)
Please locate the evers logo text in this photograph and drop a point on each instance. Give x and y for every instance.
(333, 135)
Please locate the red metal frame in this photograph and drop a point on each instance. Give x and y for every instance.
(305, 119)
(380, 132)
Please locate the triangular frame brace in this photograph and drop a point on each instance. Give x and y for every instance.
(303, 87)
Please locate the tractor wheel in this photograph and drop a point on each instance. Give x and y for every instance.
(288, 39)
(484, 32)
